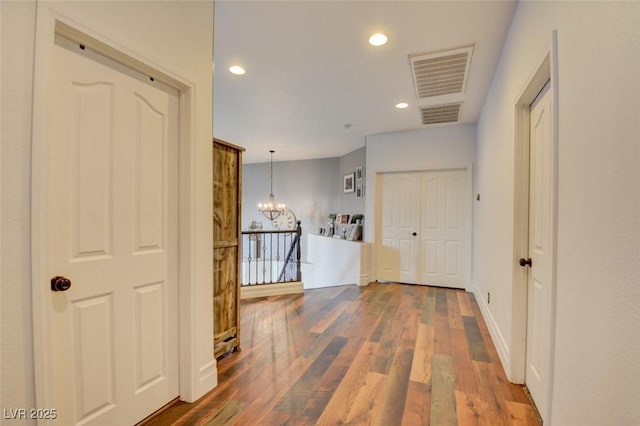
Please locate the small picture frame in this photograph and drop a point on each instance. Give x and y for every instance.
(351, 231)
(344, 218)
(359, 190)
(359, 174)
(354, 233)
(349, 183)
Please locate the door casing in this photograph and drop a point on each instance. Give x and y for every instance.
(547, 71)
(195, 378)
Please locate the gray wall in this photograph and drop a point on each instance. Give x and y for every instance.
(348, 202)
(307, 187)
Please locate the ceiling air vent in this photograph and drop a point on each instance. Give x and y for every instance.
(440, 114)
(441, 73)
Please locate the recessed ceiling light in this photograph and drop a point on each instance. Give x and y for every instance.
(237, 70)
(402, 105)
(378, 39)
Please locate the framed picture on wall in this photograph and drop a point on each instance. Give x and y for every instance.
(349, 182)
(359, 174)
(359, 191)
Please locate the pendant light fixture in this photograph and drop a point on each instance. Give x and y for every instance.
(271, 210)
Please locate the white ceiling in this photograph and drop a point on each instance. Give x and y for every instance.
(310, 69)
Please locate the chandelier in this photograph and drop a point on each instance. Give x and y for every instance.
(271, 210)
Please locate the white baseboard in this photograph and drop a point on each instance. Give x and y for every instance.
(496, 336)
(265, 290)
(364, 280)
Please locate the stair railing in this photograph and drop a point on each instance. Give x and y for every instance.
(271, 257)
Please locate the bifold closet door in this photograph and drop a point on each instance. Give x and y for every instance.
(423, 228)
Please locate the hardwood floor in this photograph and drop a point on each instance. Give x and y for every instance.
(386, 354)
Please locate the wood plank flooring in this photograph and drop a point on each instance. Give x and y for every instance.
(386, 354)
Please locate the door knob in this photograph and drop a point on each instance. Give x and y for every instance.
(525, 262)
(60, 283)
(414, 234)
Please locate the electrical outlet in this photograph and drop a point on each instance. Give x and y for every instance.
(488, 297)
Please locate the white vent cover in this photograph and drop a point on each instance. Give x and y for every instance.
(440, 114)
(441, 73)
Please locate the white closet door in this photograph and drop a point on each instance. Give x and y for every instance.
(399, 245)
(423, 228)
(443, 228)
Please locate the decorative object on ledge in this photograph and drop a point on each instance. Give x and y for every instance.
(342, 218)
(349, 182)
(357, 218)
(271, 210)
(331, 228)
(354, 232)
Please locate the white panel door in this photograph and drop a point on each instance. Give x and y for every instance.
(423, 228)
(540, 250)
(113, 232)
(443, 228)
(398, 248)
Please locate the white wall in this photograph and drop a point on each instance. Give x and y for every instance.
(177, 36)
(16, 380)
(597, 347)
(448, 147)
(308, 187)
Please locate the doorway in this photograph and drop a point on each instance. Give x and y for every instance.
(423, 231)
(121, 212)
(535, 231)
(540, 253)
(113, 233)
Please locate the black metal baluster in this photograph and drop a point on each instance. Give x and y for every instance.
(298, 251)
(267, 259)
(249, 259)
(264, 251)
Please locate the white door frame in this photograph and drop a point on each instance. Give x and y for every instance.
(196, 375)
(546, 71)
(468, 217)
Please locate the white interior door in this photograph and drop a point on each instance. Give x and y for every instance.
(443, 228)
(398, 249)
(540, 250)
(113, 233)
(423, 228)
